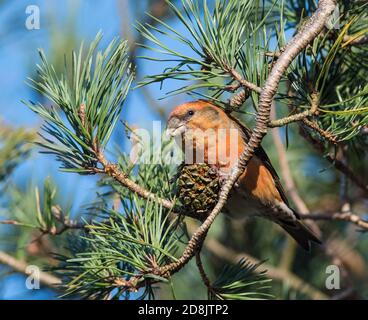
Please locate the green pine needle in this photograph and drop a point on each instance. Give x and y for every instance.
(87, 100)
(241, 282)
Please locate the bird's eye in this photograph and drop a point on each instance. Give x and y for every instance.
(190, 112)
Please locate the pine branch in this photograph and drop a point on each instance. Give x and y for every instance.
(299, 116)
(355, 40)
(335, 72)
(217, 39)
(339, 216)
(291, 279)
(91, 100)
(303, 117)
(65, 223)
(238, 281)
(286, 174)
(239, 98)
(339, 165)
(120, 251)
(113, 171)
(204, 277)
(328, 136)
(21, 266)
(289, 254)
(246, 84)
(38, 210)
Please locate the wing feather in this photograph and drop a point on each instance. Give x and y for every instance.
(262, 155)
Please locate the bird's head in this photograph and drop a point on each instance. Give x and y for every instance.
(206, 133)
(199, 114)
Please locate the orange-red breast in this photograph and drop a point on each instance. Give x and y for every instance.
(216, 138)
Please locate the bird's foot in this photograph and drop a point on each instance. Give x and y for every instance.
(221, 174)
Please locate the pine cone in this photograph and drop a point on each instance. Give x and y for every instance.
(198, 188)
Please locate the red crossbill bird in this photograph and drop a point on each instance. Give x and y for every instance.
(258, 191)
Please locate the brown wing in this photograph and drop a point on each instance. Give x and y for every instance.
(296, 229)
(262, 155)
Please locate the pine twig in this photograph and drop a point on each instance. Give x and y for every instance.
(273, 54)
(324, 134)
(299, 116)
(301, 206)
(82, 114)
(239, 98)
(338, 164)
(203, 274)
(21, 266)
(131, 285)
(339, 216)
(66, 223)
(246, 84)
(112, 170)
(355, 41)
(286, 174)
(294, 281)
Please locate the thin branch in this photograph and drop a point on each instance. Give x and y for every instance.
(21, 266)
(354, 40)
(291, 279)
(229, 255)
(203, 274)
(293, 118)
(246, 84)
(273, 54)
(339, 216)
(114, 171)
(131, 285)
(299, 116)
(289, 254)
(339, 165)
(238, 99)
(82, 114)
(303, 209)
(324, 134)
(65, 223)
(286, 174)
(11, 222)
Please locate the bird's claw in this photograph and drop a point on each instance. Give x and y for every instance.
(222, 176)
